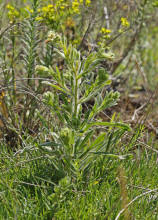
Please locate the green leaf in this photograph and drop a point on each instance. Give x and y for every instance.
(121, 157)
(85, 140)
(56, 87)
(49, 143)
(60, 53)
(95, 90)
(102, 75)
(108, 124)
(97, 142)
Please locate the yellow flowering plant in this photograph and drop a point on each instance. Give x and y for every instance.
(61, 15)
(56, 13)
(13, 13)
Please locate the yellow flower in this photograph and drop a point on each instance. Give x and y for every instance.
(47, 12)
(75, 6)
(125, 22)
(12, 13)
(105, 33)
(88, 2)
(29, 9)
(50, 6)
(39, 18)
(62, 7)
(10, 7)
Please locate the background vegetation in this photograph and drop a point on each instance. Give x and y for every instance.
(78, 109)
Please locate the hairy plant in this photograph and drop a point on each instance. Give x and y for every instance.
(78, 135)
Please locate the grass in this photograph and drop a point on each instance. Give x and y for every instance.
(28, 189)
(66, 151)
